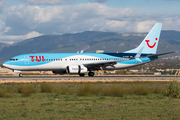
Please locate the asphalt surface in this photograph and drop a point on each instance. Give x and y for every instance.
(84, 78)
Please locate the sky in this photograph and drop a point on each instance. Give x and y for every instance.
(24, 19)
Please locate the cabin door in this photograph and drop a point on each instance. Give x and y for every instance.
(26, 60)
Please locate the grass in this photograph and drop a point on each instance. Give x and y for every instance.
(90, 101)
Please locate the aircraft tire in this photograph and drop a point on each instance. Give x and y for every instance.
(91, 74)
(20, 74)
(81, 75)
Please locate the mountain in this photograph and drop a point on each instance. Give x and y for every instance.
(2, 45)
(90, 41)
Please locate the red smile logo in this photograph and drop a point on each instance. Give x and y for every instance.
(150, 46)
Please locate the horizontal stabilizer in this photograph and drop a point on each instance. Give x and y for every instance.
(160, 54)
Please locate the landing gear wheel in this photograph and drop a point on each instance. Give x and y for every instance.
(81, 75)
(20, 74)
(91, 74)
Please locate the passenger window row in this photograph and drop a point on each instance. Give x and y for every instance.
(48, 59)
(98, 59)
(83, 59)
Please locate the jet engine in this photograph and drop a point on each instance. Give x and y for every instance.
(76, 69)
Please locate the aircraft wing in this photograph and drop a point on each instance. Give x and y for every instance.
(101, 64)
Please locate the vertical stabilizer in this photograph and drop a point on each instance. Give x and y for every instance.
(150, 42)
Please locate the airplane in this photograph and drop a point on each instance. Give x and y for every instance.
(81, 63)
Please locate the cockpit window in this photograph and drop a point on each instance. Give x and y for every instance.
(14, 59)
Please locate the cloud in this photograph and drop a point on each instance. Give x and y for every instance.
(12, 38)
(64, 19)
(99, 1)
(22, 19)
(2, 3)
(47, 2)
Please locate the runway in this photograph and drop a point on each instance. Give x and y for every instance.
(85, 78)
(58, 79)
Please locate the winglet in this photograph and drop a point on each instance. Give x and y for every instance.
(138, 55)
(82, 51)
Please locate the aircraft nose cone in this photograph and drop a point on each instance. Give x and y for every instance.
(6, 64)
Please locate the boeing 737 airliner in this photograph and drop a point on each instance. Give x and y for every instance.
(81, 63)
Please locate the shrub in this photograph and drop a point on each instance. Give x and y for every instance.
(62, 90)
(2, 93)
(86, 90)
(160, 90)
(19, 88)
(116, 91)
(12, 89)
(120, 72)
(47, 87)
(174, 89)
(26, 90)
(140, 89)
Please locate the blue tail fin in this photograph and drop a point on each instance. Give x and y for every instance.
(150, 42)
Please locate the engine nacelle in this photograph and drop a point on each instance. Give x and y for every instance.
(76, 69)
(59, 72)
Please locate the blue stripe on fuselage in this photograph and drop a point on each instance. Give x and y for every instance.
(134, 61)
(127, 55)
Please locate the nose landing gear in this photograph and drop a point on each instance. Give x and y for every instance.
(20, 74)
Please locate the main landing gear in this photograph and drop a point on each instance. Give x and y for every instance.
(20, 74)
(82, 75)
(91, 74)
